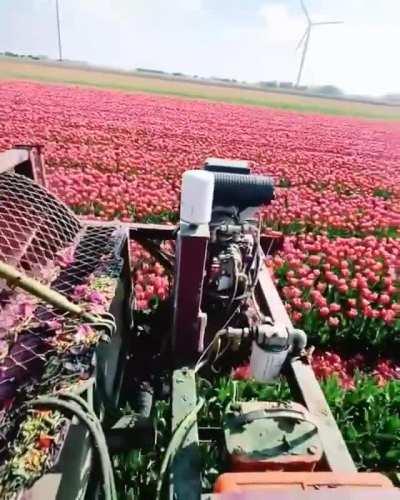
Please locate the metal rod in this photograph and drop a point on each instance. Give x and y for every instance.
(14, 278)
(58, 31)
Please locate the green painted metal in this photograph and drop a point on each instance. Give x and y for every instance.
(264, 430)
(185, 468)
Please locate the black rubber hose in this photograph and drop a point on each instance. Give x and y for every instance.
(242, 190)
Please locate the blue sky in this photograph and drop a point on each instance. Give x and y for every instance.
(244, 39)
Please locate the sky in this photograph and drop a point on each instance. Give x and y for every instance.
(251, 40)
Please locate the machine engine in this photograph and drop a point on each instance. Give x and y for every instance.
(234, 247)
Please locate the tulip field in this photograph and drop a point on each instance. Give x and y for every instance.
(117, 155)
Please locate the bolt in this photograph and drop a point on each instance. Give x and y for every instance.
(238, 450)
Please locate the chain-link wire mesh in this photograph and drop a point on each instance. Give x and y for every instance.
(43, 349)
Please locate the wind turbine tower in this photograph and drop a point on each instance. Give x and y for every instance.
(305, 39)
(58, 31)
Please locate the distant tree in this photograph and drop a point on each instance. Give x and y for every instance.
(328, 90)
(286, 85)
(395, 98)
(270, 84)
(148, 70)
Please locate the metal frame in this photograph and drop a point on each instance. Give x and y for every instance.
(185, 467)
(74, 476)
(25, 160)
(300, 376)
(305, 388)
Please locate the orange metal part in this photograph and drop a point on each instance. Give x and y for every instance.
(262, 481)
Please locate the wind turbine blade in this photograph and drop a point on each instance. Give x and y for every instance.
(305, 11)
(327, 22)
(302, 39)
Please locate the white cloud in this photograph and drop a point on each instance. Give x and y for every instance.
(281, 26)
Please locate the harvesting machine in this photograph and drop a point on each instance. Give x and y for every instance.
(74, 349)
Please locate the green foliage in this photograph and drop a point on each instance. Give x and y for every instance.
(136, 472)
(132, 212)
(162, 217)
(368, 418)
(369, 336)
(303, 226)
(381, 192)
(94, 208)
(221, 391)
(29, 460)
(284, 182)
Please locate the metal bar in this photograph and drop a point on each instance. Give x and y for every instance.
(154, 231)
(38, 165)
(11, 158)
(185, 470)
(130, 432)
(154, 249)
(271, 243)
(305, 387)
(189, 322)
(359, 492)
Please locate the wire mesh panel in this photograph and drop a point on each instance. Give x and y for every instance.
(43, 349)
(34, 224)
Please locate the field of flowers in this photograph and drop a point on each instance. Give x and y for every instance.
(114, 155)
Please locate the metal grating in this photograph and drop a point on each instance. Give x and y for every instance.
(42, 349)
(34, 224)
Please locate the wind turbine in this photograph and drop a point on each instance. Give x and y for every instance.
(306, 38)
(58, 31)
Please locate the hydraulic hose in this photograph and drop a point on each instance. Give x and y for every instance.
(176, 442)
(72, 403)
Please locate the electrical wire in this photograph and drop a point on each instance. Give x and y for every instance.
(199, 364)
(176, 442)
(219, 356)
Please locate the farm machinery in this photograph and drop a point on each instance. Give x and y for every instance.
(74, 347)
